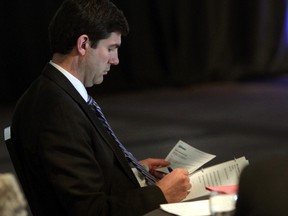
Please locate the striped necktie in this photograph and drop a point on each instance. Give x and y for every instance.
(149, 178)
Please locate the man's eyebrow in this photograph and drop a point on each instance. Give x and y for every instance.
(116, 45)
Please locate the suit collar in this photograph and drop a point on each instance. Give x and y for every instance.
(78, 85)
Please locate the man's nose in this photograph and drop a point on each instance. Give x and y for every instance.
(114, 60)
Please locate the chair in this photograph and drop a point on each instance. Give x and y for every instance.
(14, 151)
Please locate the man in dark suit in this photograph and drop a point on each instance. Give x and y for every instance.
(263, 188)
(72, 163)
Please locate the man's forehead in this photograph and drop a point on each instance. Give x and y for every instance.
(114, 38)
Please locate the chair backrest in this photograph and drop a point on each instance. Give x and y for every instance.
(14, 156)
(7, 133)
(19, 167)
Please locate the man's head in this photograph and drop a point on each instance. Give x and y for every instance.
(85, 36)
(95, 18)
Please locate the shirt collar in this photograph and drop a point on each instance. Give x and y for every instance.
(74, 81)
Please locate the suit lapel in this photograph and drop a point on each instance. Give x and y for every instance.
(57, 77)
(110, 141)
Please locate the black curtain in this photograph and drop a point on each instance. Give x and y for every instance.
(24, 44)
(183, 42)
(171, 43)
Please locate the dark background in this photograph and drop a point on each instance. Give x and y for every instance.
(171, 43)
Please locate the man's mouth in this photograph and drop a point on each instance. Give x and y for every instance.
(106, 71)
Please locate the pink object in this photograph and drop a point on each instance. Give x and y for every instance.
(225, 189)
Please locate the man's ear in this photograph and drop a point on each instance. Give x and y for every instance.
(82, 44)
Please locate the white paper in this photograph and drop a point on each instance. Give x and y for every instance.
(195, 208)
(186, 157)
(226, 173)
(222, 203)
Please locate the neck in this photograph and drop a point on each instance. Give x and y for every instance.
(69, 63)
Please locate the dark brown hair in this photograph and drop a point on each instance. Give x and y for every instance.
(96, 18)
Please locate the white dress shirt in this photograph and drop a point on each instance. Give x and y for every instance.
(78, 85)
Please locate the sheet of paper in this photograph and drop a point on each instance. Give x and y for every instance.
(186, 157)
(194, 208)
(226, 173)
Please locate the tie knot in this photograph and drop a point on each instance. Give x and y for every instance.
(90, 100)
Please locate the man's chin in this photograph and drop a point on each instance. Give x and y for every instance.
(99, 81)
(96, 82)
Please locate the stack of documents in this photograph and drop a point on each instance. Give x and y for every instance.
(222, 178)
(187, 157)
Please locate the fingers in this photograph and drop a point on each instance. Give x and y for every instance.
(176, 185)
(154, 163)
(158, 175)
(159, 162)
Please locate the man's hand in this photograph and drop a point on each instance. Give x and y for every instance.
(175, 185)
(153, 164)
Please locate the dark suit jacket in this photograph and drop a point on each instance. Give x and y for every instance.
(72, 166)
(263, 188)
